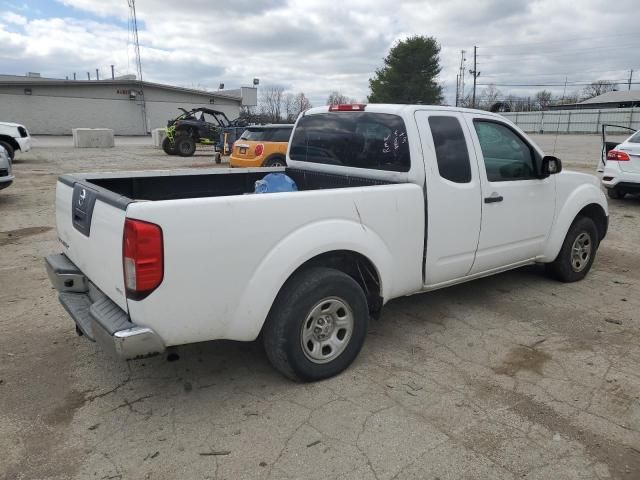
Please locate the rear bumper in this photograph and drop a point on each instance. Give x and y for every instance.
(614, 177)
(96, 316)
(245, 162)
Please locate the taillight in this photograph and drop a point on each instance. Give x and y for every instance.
(142, 258)
(259, 149)
(347, 107)
(617, 156)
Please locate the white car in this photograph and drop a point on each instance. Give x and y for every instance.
(621, 173)
(6, 178)
(391, 200)
(14, 137)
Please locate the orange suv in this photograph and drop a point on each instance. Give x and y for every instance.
(261, 146)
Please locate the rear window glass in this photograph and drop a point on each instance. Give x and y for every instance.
(254, 135)
(635, 138)
(352, 139)
(451, 149)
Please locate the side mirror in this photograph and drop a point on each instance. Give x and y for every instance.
(550, 166)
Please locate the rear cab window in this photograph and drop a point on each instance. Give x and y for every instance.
(365, 140)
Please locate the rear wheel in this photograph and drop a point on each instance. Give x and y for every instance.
(10, 151)
(168, 146)
(276, 161)
(578, 251)
(615, 193)
(185, 145)
(317, 324)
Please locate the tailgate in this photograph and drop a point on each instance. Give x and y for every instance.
(90, 228)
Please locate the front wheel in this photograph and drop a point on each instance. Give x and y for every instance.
(578, 251)
(317, 325)
(169, 146)
(10, 151)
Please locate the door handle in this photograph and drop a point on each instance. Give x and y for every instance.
(494, 198)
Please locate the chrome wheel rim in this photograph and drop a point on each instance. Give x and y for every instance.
(327, 330)
(581, 252)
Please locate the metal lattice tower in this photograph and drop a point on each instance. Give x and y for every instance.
(134, 27)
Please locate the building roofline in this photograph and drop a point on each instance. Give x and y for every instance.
(132, 83)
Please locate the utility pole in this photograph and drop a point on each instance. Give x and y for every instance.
(460, 96)
(475, 74)
(113, 75)
(97, 74)
(74, 75)
(630, 78)
(457, 88)
(88, 76)
(134, 24)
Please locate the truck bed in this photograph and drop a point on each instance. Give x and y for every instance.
(171, 185)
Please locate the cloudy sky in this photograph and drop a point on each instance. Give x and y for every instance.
(317, 46)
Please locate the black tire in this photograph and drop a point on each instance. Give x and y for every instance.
(615, 194)
(185, 145)
(275, 161)
(168, 146)
(568, 268)
(10, 151)
(290, 316)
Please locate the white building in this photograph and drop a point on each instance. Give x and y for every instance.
(53, 107)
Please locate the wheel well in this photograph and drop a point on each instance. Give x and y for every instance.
(274, 155)
(596, 213)
(357, 266)
(11, 141)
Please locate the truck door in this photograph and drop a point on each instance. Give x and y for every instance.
(517, 206)
(453, 195)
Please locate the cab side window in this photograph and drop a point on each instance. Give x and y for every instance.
(506, 156)
(451, 149)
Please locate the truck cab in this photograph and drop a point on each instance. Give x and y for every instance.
(391, 200)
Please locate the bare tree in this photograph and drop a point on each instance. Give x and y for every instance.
(271, 100)
(542, 99)
(337, 98)
(598, 88)
(489, 96)
(294, 105)
(569, 98)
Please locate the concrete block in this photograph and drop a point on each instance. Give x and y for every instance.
(92, 137)
(158, 135)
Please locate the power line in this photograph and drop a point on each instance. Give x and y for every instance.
(563, 41)
(543, 84)
(563, 52)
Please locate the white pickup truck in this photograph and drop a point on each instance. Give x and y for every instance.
(392, 200)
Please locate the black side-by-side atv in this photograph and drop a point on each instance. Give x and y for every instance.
(198, 126)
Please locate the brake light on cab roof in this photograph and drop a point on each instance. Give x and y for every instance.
(347, 107)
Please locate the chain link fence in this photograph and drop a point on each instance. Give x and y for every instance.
(576, 121)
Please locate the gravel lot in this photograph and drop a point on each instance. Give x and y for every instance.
(507, 377)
